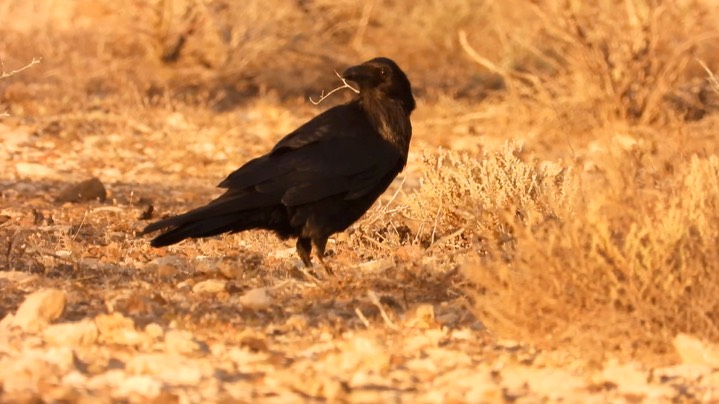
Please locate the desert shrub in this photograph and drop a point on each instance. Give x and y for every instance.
(609, 260)
(586, 64)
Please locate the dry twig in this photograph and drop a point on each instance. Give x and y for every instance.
(6, 74)
(323, 95)
(375, 300)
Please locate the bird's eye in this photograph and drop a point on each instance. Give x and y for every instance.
(383, 72)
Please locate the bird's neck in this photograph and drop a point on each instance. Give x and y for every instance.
(391, 120)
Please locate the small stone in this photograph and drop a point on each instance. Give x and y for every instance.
(256, 299)
(167, 266)
(170, 368)
(39, 309)
(181, 342)
(693, 351)
(422, 317)
(88, 190)
(34, 170)
(408, 253)
(7, 321)
(210, 286)
(18, 277)
(109, 323)
(377, 265)
(26, 371)
(166, 270)
(154, 330)
(80, 333)
(118, 329)
(144, 386)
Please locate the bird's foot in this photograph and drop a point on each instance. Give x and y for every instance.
(327, 268)
(309, 275)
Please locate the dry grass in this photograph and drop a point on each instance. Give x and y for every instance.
(603, 262)
(562, 184)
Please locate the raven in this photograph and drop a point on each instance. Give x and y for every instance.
(320, 178)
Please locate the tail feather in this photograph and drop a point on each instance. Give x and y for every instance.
(232, 212)
(209, 223)
(206, 227)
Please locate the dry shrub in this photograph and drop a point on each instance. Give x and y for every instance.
(619, 58)
(483, 198)
(607, 260)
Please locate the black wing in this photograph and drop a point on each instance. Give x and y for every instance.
(336, 153)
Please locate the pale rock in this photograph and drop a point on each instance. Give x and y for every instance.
(145, 386)
(169, 368)
(256, 299)
(62, 357)
(632, 380)
(34, 170)
(154, 330)
(375, 266)
(74, 379)
(22, 373)
(7, 321)
(39, 309)
(110, 378)
(117, 329)
(693, 351)
(180, 342)
(80, 333)
(35, 366)
(210, 286)
(18, 277)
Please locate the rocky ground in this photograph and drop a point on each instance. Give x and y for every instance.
(91, 312)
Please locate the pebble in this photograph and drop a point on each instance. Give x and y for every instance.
(256, 299)
(210, 286)
(117, 329)
(154, 330)
(39, 309)
(79, 333)
(88, 190)
(180, 341)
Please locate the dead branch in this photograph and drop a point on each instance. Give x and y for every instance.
(323, 95)
(14, 72)
(4, 75)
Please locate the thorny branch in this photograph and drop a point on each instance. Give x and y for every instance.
(323, 95)
(4, 74)
(11, 73)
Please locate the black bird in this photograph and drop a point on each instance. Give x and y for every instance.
(319, 179)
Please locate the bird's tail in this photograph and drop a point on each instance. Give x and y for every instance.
(220, 216)
(185, 226)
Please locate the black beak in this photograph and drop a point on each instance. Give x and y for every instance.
(359, 74)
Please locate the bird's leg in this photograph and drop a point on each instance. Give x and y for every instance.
(304, 248)
(320, 245)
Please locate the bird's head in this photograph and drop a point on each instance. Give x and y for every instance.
(381, 76)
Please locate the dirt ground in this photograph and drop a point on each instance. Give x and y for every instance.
(438, 294)
(233, 318)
